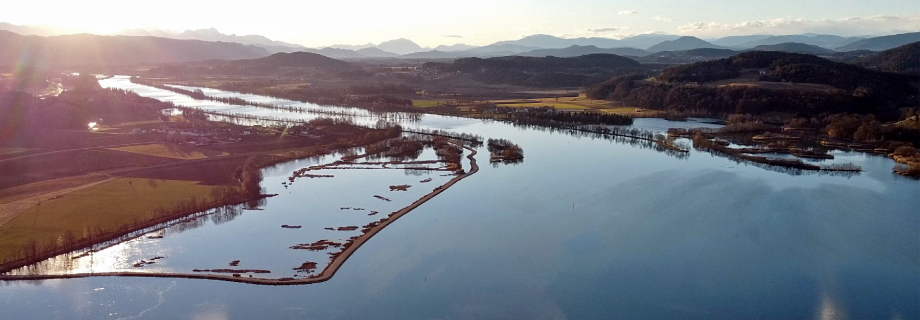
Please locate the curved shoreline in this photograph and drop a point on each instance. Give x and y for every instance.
(323, 276)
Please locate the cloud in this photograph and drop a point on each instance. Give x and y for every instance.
(451, 36)
(626, 12)
(665, 19)
(607, 30)
(694, 26)
(872, 25)
(610, 32)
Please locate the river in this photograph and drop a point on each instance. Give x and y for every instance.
(584, 228)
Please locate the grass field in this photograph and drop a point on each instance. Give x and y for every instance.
(549, 102)
(25, 191)
(108, 206)
(427, 103)
(579, 102)
(174, 152)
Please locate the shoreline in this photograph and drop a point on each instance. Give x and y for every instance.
(126, 232)
(323, 276)
(118, 234)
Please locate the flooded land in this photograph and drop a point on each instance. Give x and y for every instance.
(592, 223)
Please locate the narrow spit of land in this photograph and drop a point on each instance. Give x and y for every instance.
(325, 275)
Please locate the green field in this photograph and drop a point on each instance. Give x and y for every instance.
(580, 102)
(537, 103)
(106, 206)
(427, 103)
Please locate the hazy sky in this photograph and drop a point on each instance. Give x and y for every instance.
(478, 22)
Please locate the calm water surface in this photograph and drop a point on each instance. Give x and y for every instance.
(582, 229)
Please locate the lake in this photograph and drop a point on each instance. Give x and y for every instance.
(582, 229)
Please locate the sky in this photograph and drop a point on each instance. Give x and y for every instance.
(477, 22)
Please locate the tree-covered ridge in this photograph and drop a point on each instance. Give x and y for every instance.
(903, 59)
(578, 71)
(782, 66)
(795, 47)
(279, 62)
(758, 82)
(295, 60)
(590, 61)
(771, 66)
(636, 91)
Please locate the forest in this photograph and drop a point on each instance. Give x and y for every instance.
(542, 72)
(903, 59)
(847, 88)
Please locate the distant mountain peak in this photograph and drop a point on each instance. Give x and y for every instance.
(681, 44)
(882, 43)
(212, 34)
(208, 31)
(544, 41)
(400, 46)
(454, 47)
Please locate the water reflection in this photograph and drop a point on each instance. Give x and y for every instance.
(585, 228)
(178, 246)
(124, 253)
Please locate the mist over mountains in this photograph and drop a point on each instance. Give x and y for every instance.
(68, 51)
(637, 46)
(212, 34)
(654, 46)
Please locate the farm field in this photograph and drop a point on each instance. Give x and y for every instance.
(170, 151)
(104, 207)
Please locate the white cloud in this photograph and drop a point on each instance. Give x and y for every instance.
(846, 26)
(451, 36)
(665, 19)
(695, 26)
(607, 30)
(626, 12)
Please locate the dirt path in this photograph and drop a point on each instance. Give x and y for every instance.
(11, 209)
(325, 275)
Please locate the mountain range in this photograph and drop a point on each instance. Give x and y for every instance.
(882, 43)
(214, 35)
(533, 45)
(641, 45)
(682, 43)
(820, 40)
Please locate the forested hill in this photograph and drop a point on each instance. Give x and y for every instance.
(590, 61)
(794, 47)
(85, 49)
(772, 66)
(543, 72)
(295, 60)
(757, 82)
(903, 59)
(303, 62)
